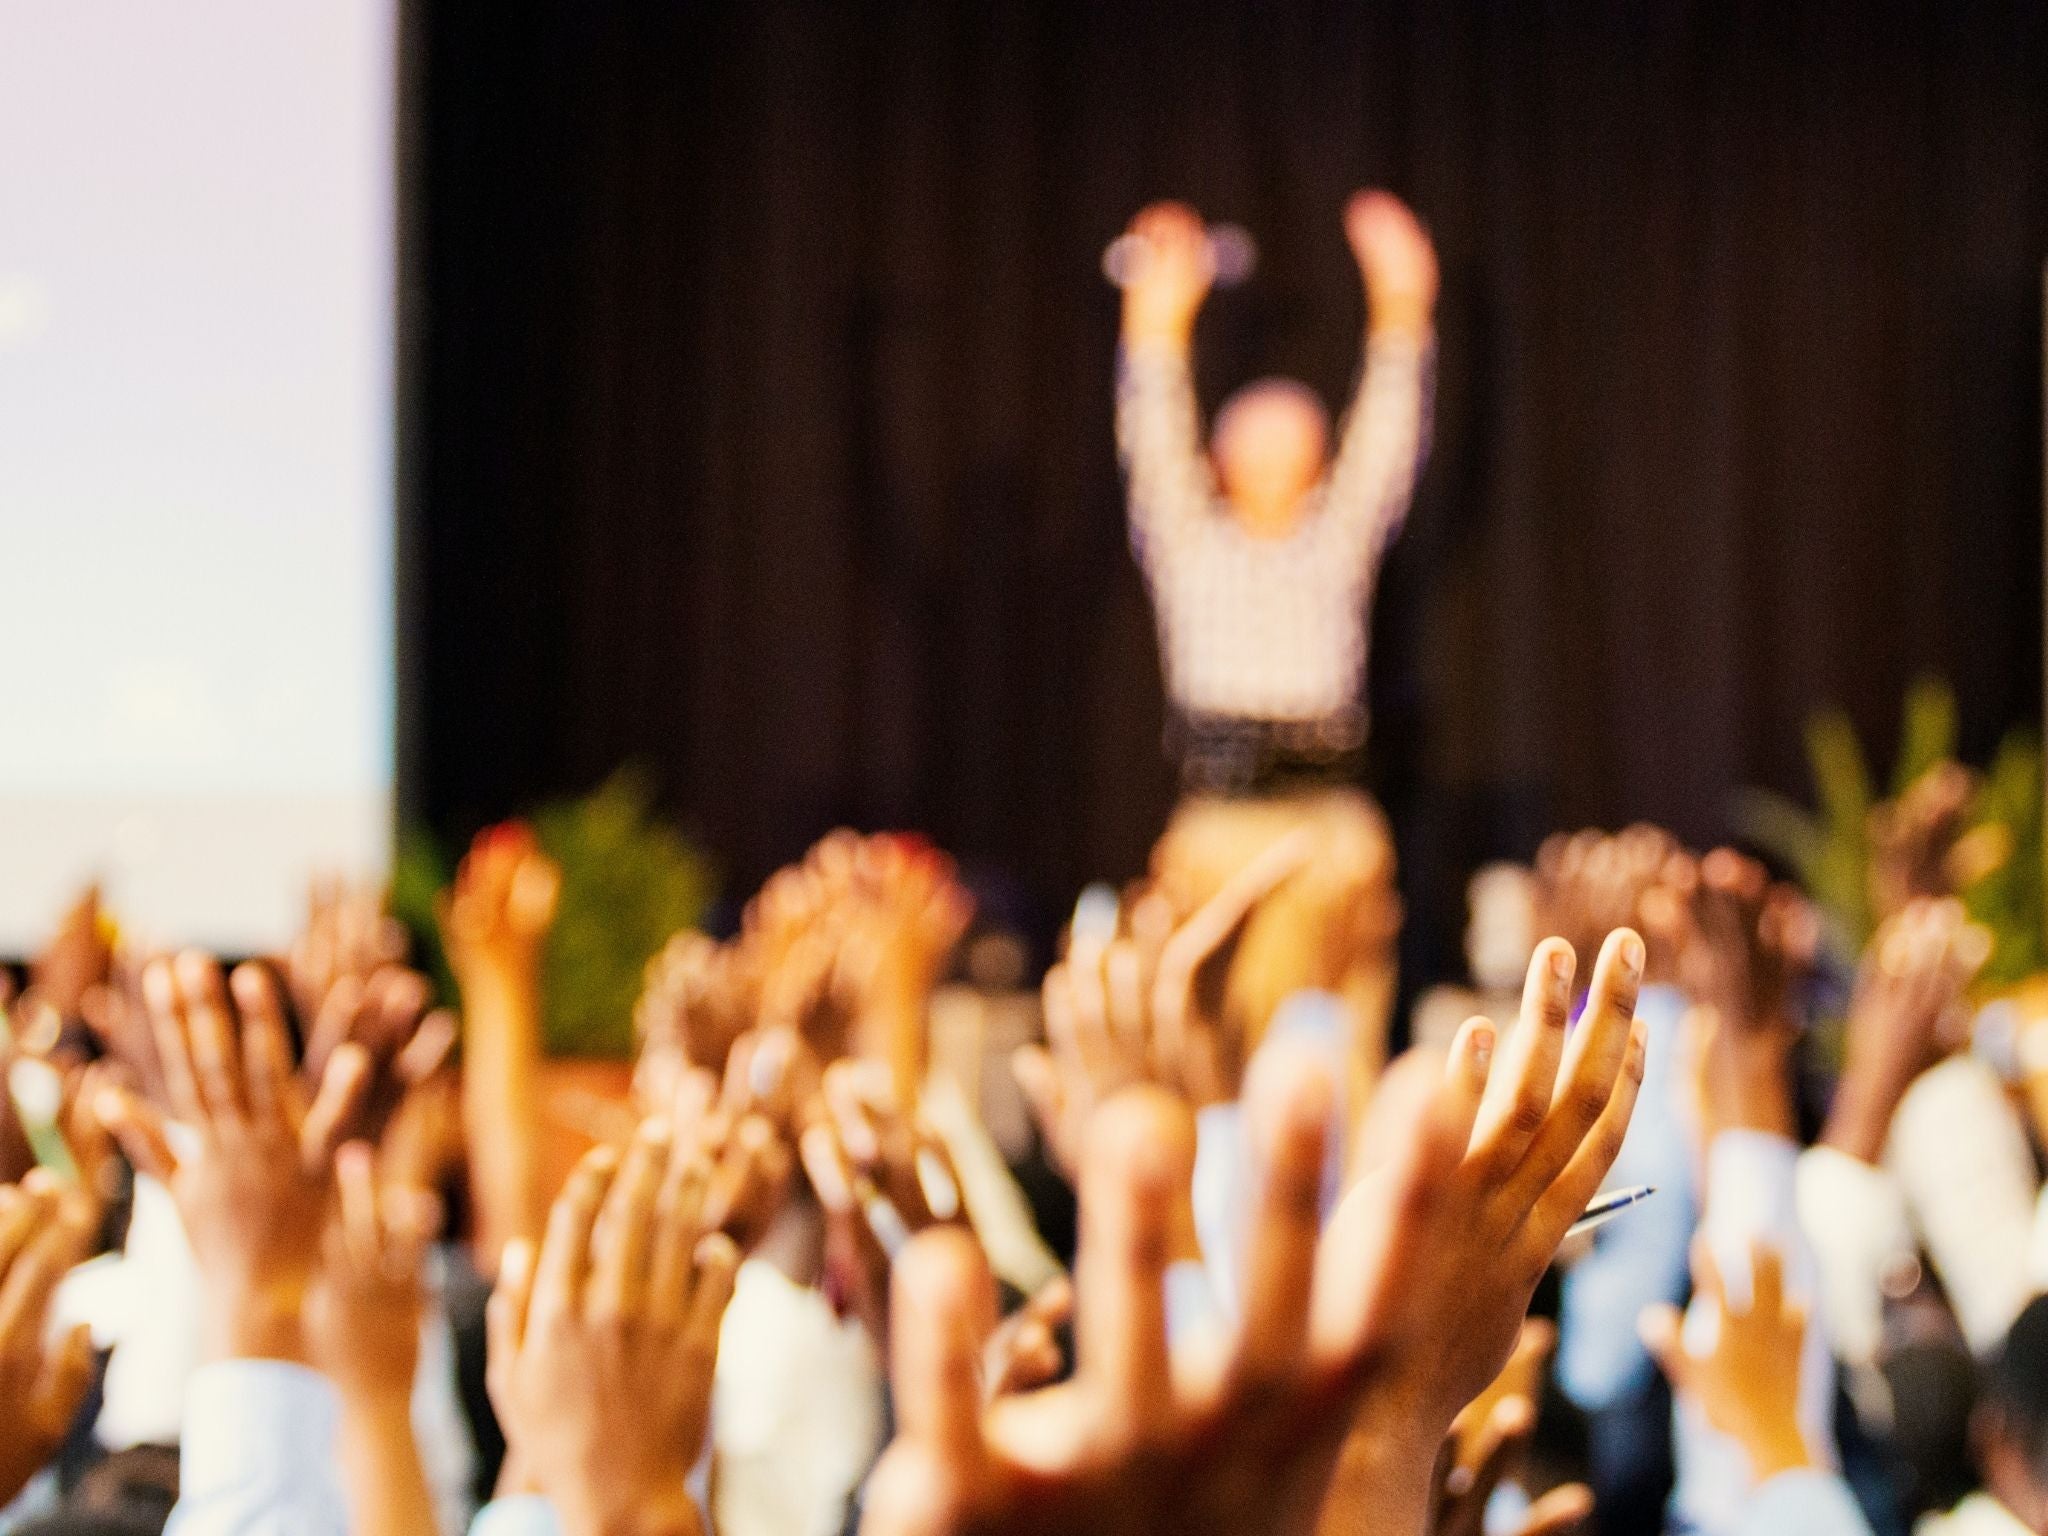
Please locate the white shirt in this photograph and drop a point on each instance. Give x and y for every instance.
(1258, 628)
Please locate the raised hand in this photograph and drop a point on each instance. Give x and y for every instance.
(496, 917)
(742, 1133)
(494, 924)
(43, 1232)
(1747, 1382)
(1590, 883)
(1501, 1447)
(1146, 1007)
(1170, 274)
(694, 1003)
(385, 1015)
(602, 1345)
(347, 932)
(251, 1179)
(881, 1176)
(1377, 1325)
(363, 1331)
(1909, 1009)
(1744, 946)
(364, 1308)
(78, 957)
(1919, 845)
(1396, 259)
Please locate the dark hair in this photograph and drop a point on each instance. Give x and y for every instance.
(2015, 1388)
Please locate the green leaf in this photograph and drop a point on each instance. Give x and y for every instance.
(629, 881)
(1927, 732)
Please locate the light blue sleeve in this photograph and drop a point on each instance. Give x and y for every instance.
(524, 1515)
(1802, 1504)
(257, 1456)
(1640, 1259)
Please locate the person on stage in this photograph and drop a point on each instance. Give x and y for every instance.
(1260, 554)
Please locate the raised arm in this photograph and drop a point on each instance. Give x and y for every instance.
(1386, 432)
(1158, 431)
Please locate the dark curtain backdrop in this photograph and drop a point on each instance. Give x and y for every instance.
(762, 427)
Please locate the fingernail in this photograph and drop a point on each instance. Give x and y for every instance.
(1482, 1049)
(1632, 955)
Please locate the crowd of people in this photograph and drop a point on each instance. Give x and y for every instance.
(282, 1248)
(1652, 1226)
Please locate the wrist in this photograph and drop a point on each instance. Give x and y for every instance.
(1775, 1449)
(1404, 316)
(668, 1511)
(509, 981)
(253, 1322)
(1169, 332)
(1860, 1118)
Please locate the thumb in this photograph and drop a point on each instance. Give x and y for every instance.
(66, 1376)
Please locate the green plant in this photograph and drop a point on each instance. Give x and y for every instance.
(629, 880)
(1828, 849)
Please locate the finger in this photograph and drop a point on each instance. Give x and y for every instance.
(67, 1376)
(362, 1231)
(1564, 1200)
(21, 1212)
(216, 1060)
(139, 1128)
(505, 1313)
(1593, 1063)
(266, 1048)
(1502, 1441)
(1088, 1008)
(1518, 1096)
(411, 1219)
(1467, 1071)
(942, 1280)
(428, 1049)
(756, 1163)
(1124, 993)
(849, 1101)
(334, 1024)
(1140, 1160)
(678, 1223)
(564, 1263)
(1288, 1103)
(716, 1261)
(1218, 918)
(344, 1088)
(1564, 1511)
(624, 1236)
(825, 1165)
(400, 996)
(32, 1278)
(166, 1009)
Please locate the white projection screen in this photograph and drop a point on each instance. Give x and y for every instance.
(197, 236)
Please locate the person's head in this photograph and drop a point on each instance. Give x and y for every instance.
(2009, 1430)
(1269, 444)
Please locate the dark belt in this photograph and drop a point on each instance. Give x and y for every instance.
(1239, 755)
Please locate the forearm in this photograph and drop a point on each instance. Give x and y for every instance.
(501, 1107)
(1382, 1483)
(1860, 1117)
(1385, 433)
(381, 1470)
